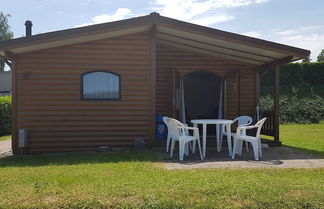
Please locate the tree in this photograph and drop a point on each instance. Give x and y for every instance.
(320, 57)
(307, 60)
(5, 33)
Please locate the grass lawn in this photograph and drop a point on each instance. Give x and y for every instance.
(308, 137)
(130, 179)
(2, 138)
(137, 180)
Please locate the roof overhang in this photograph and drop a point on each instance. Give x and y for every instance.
(169, 32)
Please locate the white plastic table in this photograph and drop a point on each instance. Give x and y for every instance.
(216, 122)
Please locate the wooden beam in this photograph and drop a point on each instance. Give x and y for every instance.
(152, 82)
(224, 50)
(215, 45)
(173, 93)
(276, 102)
(274, 63)
(225, 98)
(232, 37)
(257, 88)
(237, 59)
(14, 132)
(238, 94)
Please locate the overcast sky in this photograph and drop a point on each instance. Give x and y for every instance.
(294, 22)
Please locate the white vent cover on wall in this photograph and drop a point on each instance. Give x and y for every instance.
(22, 142)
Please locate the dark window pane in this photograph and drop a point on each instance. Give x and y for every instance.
(101, 85)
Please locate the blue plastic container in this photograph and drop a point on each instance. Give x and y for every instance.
(161, 129)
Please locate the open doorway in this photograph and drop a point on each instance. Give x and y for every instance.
(203, 97)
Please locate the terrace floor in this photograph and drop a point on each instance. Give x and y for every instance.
(273, 157)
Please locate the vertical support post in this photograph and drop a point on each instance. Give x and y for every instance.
(276, 103)
(257, 88)
(238, 94)
(257, 95)
(152, 82)
(225, 98)
(14, 132)
(174, 93)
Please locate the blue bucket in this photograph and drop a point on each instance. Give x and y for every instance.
(161, 129)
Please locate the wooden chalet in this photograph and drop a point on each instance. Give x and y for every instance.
(102, 85)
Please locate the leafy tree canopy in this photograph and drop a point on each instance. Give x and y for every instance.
(5, 33)
(320, 57)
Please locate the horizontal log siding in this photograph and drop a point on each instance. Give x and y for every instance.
(231, 96)
(247, 92)
(48, 95)
(169, 59)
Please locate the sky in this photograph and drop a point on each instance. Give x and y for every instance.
(297, 23)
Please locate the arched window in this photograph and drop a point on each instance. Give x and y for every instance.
(100, 85)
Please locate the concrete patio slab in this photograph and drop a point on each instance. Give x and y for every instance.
(273, 157)
(5, 148)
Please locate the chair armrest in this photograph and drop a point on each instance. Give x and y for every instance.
(190, 128)
(247, 127)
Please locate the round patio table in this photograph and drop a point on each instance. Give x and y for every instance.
(217, 122)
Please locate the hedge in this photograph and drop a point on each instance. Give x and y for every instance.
(301, 92)
(5, 115)
(297, 73)
(295, 108)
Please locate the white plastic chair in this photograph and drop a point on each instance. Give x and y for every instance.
(241, 121)
(172, 133)
(241, 136)
(180, 132)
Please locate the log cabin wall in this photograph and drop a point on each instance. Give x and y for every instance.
(49, 103)
(240, 81)
(247, 92)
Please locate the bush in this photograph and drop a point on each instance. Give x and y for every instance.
(296, 73)
(301, 110)
(296, 107)
(5, 115)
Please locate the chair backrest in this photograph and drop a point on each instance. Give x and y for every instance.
(174, 126)
(165, 120)
(243, 120)
(260, 124)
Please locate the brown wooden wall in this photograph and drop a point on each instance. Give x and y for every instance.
(48, 92)
(240, 80)
(247, 92)
(48, 95)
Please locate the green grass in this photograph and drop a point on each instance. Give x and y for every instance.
(129, 179)
(138, 180)
(2, 138)
(306, 137)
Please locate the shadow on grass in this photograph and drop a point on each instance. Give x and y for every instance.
(309, 151)
(75, 158)
(271, 156)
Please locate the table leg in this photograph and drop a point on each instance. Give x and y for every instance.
(204, 139)
(229, 139)
(218, 138)
(194, 142)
